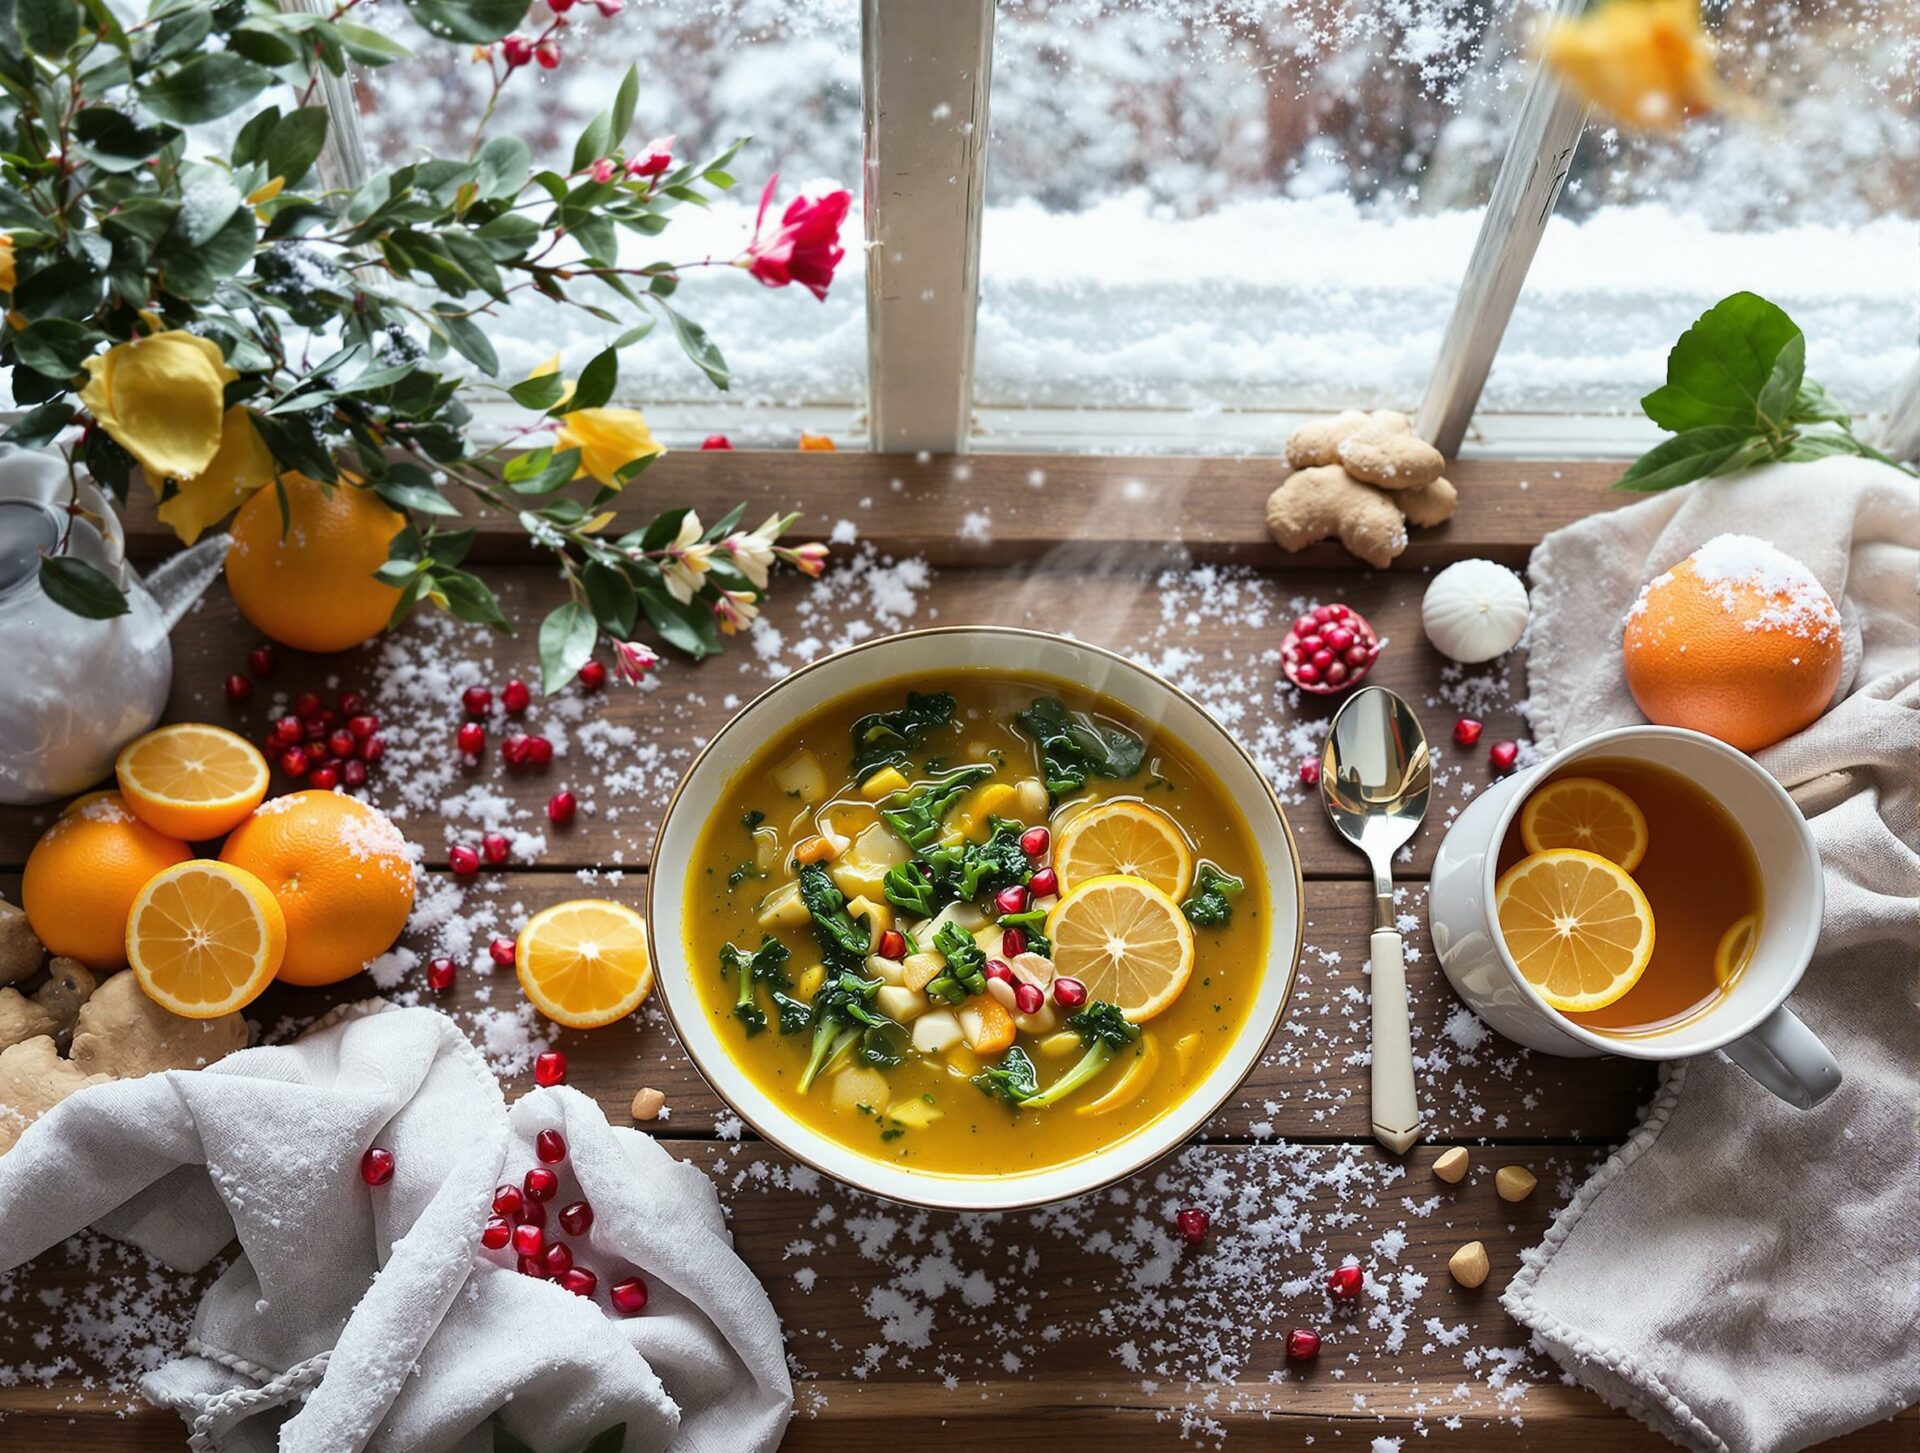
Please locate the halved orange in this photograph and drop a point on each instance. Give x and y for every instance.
(1578, 927)
(584, 963)
(205, 938)
(192, 781)
(1584, 812)
(1127, 838)
(1126, 940)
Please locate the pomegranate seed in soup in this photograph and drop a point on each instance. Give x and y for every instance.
(1028, 999)
(1013, 941)
(1035, 841)
(1044, 884)
(550, 1068)
(1012, 899)
(893, 945)
(1069, 993)
(550, 1146)
(629, 1297)
(998, 972)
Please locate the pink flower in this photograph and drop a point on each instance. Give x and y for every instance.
(807, 559)
(736, 610)
(805, 248)
(610, 8)
(653, 158)
(604, 170)
(560, 7)
(633, 661)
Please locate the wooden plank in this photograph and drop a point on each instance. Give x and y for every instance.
(999, 508)
(1214, 631)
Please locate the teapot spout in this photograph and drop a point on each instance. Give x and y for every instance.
(177, 582)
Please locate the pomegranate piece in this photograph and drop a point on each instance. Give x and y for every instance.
(1044, 884)
(288, 730)
(1192, 1223)
(629, 1297)
(471, 739)
(529, 1240)
(342, 743)
(561, 808)
(892, 945)
(532, 1213)
(539, 751)
(501, 951)
(576, 1217)
(1302, 1345)
(464, 861)
(550, 1068)
(373, 749)
(1035, 841)
(494, 847)
(996, 969)
(1466, 731)
(1013, 941)
(354, 772)
(239, 688)
(1028, 999)
(293, 762)
(324, 779)
(1310, 771)
(530, 1266)
(540, 1184)
(515, 697)
(1069, 993)
(550, 1146)
(513, 749)
(1328, 650)
(712, 441)
(476, 701)
(352, 703)
(362, 726)
(557, 1259)
(440, 974)
(1345, 1283)
(592, 676)
(580, 1281)
(1503, 755)
(376, 1166)
(1013, 898)
(496, 1233)
(263, 661)
(507, 1200)
(307, 706)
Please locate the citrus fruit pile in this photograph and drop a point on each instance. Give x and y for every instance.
(309, 887)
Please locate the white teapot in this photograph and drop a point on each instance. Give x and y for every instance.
(74, 691)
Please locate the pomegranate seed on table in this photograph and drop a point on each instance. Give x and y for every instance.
(501, 951)
(376, 1166)
(263, 661)
(1192, 1224)
(324, 778)
(306, 706)
(373, 749)
(507, 1200)
(316, 752)
(592, 676)
(516, 697)
(471, 739)
(362, 726)
(629, 1297)
(530, 1266)
(354, 773)
(713, 441)
(1044, 884)
(496, 1233)
(550, 1068)
(529, 1240)
(289, 730)
(539, 751)
(464, 861)
(1035, 841)
(1302, 1345)
(1028, 999)
(294, 763)
(1328, 649)
(580, 1281)
(239, 688)
(892, 945)
(352, 703)
(513, 750)
(576, 1217)
(1466, 731)
(1013, 941)
(1310, 771)
(561, 807)
(1345, 1283)
(1503, 755)
(557, 1259)
(494, 847)
(342, 742)
(440, 974)
(1013, 898)
(1069, 993)
(550, 1145)
(540, 1184)
(476, 700)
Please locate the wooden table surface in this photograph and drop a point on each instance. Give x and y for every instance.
(989, 1333)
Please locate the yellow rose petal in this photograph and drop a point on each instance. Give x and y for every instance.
(242, 465)
(6, 262)
(162, 400)
(608, 440)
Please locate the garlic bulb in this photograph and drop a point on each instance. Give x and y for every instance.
(1474, 610)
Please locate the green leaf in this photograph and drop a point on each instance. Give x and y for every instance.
(556, 472)
(1720, 366)
(593, 142)
(80, 588)
(115, 142)
(205, 87)
(1689, 455)
(180, 32)
(1814, 405)
(37, 427)
(56, 346)
(469, 599)
(566, 641)
(251, 143)
(695, 343)
(1782, 387)
(615, 602)
(479, 21)
(427, 500)
(468, 338)
(49, 27)
(623, 103)
(368, 46)
(595, 385)
(64, 288)
(690, 627)
(542, 391)
(295, 144)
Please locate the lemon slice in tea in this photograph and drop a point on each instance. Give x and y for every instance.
(1584, 812)
(1735, 949)
(1578, 927)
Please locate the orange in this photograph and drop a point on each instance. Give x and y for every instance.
(84, 873)
(1578, 927)
(192, 782)
(1126, 940)
(584, 963)
(312, 587)
(340, 873)
(1127, 838)
(1584, 812)
(1738, 640)
(205, 938)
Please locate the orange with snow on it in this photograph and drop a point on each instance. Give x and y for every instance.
(1738, 640)
(83, 875)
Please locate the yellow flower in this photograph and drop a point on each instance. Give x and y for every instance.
(160, 399)
(608, 441)
(242, 464)
(688, 560)
(6, 262)
(1647, 63)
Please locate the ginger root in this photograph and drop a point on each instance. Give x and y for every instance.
(1317, 503)
(1391, 456)
(33, 1079)
(1361, 477)
(122, 1033)
(1431, 504)
(20, 950)
(1318, 443)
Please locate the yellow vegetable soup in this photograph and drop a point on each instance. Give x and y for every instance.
(983, 925)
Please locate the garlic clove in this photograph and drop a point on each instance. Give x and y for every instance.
(1474, 610)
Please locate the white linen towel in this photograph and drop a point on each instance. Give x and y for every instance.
(1744, 1276)
(360, 1317)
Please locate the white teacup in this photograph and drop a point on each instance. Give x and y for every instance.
(1749, 1023)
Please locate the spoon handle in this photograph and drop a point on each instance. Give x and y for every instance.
(1396, 1109)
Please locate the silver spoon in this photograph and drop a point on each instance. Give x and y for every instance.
(1375, 777)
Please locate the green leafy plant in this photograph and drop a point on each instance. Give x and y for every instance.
(1737, 395)
(348, 327)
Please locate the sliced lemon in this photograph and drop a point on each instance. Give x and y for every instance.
(1578, 927)
(1126, 940)
(1584, 812)
(205, 938)
(584, 963)
(192, 781)
(1127, 838)
(1735, 949)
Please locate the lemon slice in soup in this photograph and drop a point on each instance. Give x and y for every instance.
(1127, 838)
(1126, 940)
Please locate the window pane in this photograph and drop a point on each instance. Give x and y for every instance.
(786, 72)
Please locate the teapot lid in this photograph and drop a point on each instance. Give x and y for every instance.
(28, 529)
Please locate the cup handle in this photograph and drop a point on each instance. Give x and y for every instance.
(1788, 1058)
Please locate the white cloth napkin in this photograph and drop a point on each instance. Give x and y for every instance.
(360, 1317)
(1742, 1275)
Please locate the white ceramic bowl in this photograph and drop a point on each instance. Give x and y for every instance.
(928, 655)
